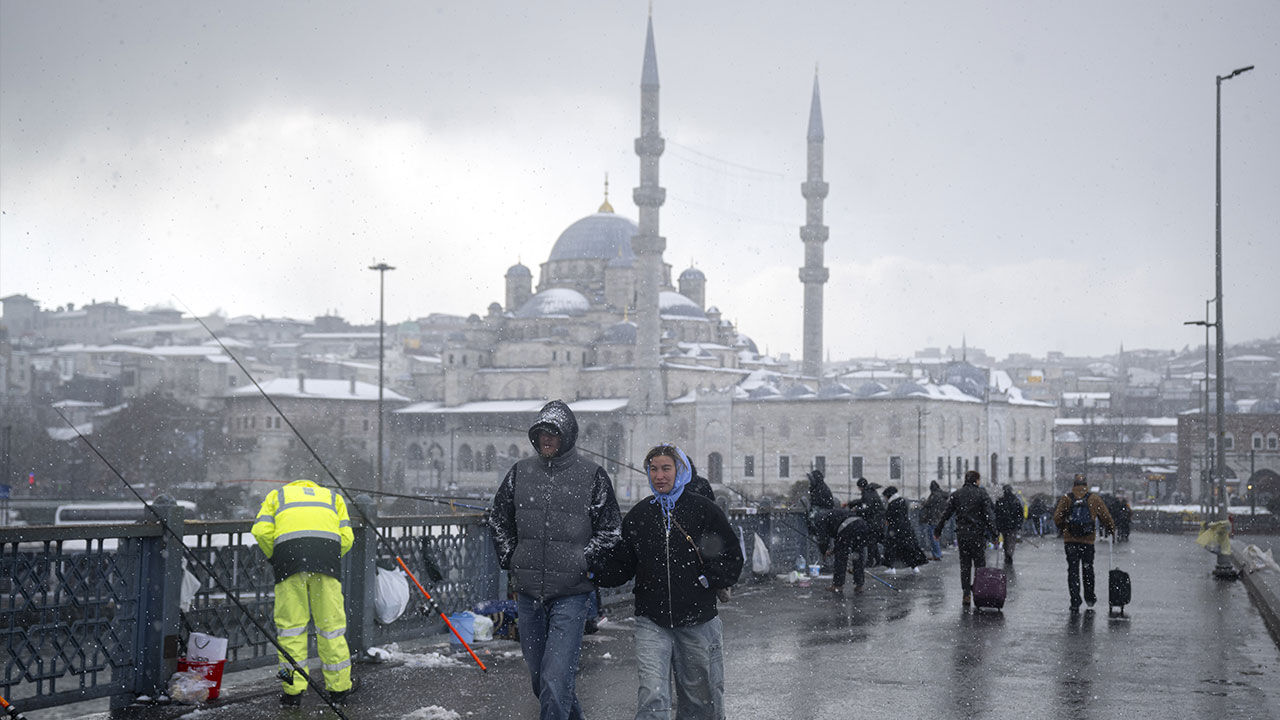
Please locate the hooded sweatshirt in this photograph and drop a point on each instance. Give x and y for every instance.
(554, 520)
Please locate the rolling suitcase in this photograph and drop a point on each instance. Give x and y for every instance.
(1119, 586)
(989, 588)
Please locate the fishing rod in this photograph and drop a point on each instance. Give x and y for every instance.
(11, 710)
(382, 541)
(200, 563)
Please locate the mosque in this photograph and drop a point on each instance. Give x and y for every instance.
(642, 360)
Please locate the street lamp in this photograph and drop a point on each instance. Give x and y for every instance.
(382, 269)
(1223, 569)
(1204, 463)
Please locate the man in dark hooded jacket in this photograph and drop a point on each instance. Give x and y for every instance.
(820, 497)
(975, 522)
(900, 539)
(555, 520)
(849, 530)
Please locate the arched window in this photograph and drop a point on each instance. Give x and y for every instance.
(1257, 441)
(513, 452)
(715, 468)
(465, 461)
(416, 457)
(490, 455)
(1273, 441)
(1013, 431)
(942, 430)
(1229, 442)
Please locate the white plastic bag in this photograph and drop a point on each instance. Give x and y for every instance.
(760, 557)
(390, 596)
(483, 629)
(206, 648)
(190, 585)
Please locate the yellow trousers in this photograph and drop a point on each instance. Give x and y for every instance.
(311, 596)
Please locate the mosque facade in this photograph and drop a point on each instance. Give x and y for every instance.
(643, 360)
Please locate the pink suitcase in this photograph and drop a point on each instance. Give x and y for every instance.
(989, 587)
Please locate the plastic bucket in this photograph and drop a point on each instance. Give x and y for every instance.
(211, 671)
(465, 624)
(815, 570)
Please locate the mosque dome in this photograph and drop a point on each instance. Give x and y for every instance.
(673, 303)
(692, 274)
(519, 270)
(623, 333)
(602, 236)
(554, 302)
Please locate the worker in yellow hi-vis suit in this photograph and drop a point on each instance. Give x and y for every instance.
(304, 531)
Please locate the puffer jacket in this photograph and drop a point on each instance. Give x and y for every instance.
(667, 566)
(555, 520)
(974, 513)
(1008, 512)
(1097, 508)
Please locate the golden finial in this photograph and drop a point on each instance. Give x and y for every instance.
(605, 207)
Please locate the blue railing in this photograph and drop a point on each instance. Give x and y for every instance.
(94, 611)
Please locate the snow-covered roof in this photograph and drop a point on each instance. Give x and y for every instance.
(319, 389)
(554, 302)
(673, 304)
(64, 433)
(67, 404)
(1140, 421)
(433, 407)
(339, 336)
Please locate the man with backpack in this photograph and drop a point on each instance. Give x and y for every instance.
(1077, 515)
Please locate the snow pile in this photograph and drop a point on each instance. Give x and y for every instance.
(392, 652)
(433, 712)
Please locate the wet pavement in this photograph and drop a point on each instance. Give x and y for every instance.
(1190, 647)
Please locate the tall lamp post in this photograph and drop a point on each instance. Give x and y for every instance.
(1204, 462)
(382, 269)
(1223, 569)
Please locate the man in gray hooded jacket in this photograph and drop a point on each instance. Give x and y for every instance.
(554, 519)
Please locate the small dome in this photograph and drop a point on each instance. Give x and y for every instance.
(602, 236)
(673, 303)
(833, 390)
(747, 343)
(692, 274)
(870, 388)
(554, 302)
(519, 270)
(623, 333)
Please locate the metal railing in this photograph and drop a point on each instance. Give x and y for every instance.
(89, 611)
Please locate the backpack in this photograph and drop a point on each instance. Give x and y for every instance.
(1080, 518)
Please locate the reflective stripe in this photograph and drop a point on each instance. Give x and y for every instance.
(331, 634)
(266, 519)
(304, 503)
(344, 523)
(335, 668)
(292, 632)
(322, 534)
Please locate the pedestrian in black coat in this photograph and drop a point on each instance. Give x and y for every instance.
(851, 535)
(930, 513)
(900, 541)
(871, 508)
(700, 485)
(975, 522)
(820, 497)
(1008, 521)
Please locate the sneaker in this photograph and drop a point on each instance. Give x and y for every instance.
(892, 571)
(915, 571)
(836, 590)
(1091, 603)
(591, 627)
(287, 700)
(857, 589)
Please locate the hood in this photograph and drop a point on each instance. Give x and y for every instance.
(815, 477)
(557, 415)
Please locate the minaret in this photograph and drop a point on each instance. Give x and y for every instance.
(813, 275)
(647, 395)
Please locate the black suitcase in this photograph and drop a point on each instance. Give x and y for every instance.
(1119, 587)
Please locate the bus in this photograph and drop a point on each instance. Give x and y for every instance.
(108, 513)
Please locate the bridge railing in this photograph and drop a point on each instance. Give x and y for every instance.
(89, 612)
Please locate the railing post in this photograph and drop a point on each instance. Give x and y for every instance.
(155, 651)
(362, 579)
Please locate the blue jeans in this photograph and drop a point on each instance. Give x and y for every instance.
(932, 543)
(697, 657)
(551, 640)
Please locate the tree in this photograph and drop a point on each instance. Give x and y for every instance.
(158, 443)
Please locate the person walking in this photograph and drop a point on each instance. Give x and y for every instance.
(1009, 519)
(554, 520)
(930, 512)
(1077, 515)
(900, 539)
(681, 550)
(304, 530)
(975, 522)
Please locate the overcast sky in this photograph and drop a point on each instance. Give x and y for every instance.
(1031, 176)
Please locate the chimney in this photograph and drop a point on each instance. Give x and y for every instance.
(353, 384)
(302, 383)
